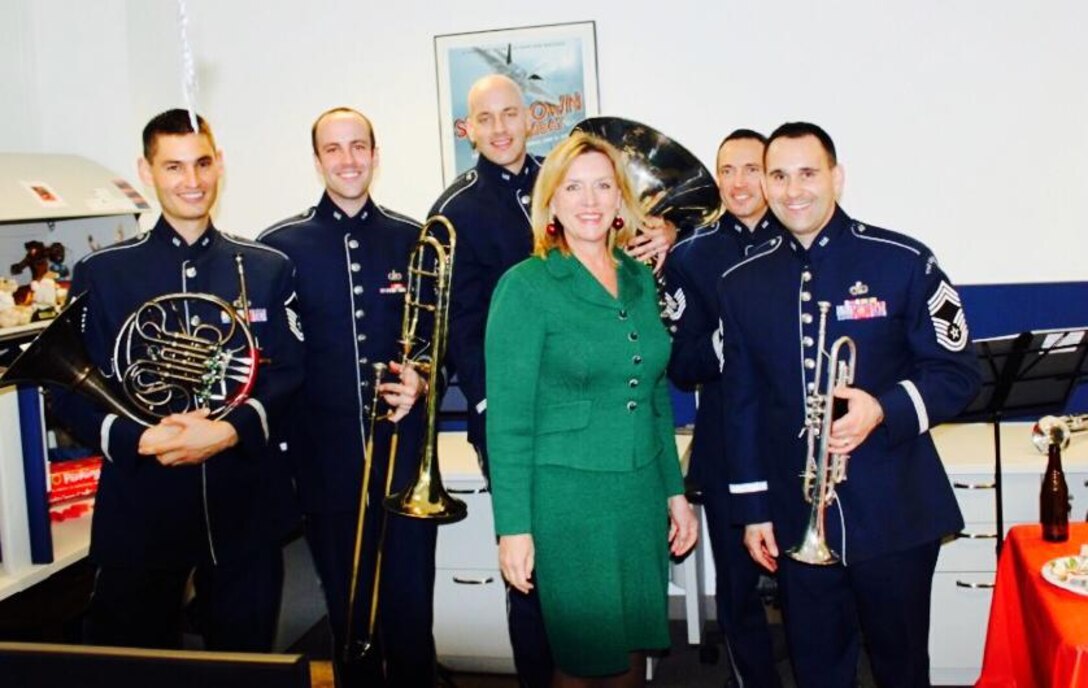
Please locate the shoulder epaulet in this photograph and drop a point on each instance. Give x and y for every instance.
(132, 242)
(249, 243)
(305, 216)
(398, 217)
(888, 237)
(698, 233)
(464, 181)
(757, 252)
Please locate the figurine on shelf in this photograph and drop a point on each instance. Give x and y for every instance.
(11, 314)
(44, 262)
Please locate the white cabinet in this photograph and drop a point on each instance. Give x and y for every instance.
(469, 596)
(962, 586)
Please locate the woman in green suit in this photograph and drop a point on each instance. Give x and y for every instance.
(586, 484)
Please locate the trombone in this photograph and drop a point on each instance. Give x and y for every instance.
(430, 272)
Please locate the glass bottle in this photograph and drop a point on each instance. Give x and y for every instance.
(1054, 498)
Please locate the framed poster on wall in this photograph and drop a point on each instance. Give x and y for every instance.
(555, 65)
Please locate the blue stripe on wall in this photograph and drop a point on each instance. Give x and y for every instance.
(994, 310)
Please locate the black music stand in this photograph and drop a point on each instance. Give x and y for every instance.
(1029, 374)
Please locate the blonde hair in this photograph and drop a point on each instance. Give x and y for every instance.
(551, 177)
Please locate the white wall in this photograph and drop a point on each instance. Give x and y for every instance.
(961, 122)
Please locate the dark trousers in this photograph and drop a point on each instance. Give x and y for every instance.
(886, 600)
(741, 615)
(402, 640)
(237, 604)
(525, 622)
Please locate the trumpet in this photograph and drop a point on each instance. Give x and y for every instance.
(823, 469)
(1057, 430)
(175, 353)
(430, 272)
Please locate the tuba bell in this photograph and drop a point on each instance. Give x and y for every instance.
(669, 181)
(175, 353)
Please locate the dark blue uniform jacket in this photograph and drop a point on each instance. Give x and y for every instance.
(150, 515)
(351, 286)
(490, 209)
(887, 293)
(692, 271)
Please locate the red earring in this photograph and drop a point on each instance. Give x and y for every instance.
(552, 228)
(618, 223)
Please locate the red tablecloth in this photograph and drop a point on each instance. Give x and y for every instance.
(1038, 633)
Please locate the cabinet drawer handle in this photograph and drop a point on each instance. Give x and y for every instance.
(487, 580)
(471, 490)
(976, 536)
(974, 486)
(974, 586)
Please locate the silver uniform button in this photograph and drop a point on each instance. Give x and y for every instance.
(195, 320)
(805, 296)
(807, 341)
(364, 360)
(353, 244)
(190, 272)
(809, 363)
(525, 199)
(806, 318)
(361, 338)
(358, 289)
(359, 313)
(806, 276)
(355, 267)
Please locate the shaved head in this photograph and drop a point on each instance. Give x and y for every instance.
(498, 121)
(489, 84)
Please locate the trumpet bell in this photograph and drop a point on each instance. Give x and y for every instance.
(669, 181)
(1051, 430)
(813, 550)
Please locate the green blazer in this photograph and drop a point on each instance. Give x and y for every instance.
(575, 378)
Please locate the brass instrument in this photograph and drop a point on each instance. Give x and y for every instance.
(668, 180)
(175, 353)
(1058, 430)
(431, 261)
(430, 271)
(823, 469)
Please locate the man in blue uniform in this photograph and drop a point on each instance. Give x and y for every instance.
(352, 259)
(914, 370)
(489, 206)
(189, 493)
(692, 272)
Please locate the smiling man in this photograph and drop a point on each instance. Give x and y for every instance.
(830, 276)
(692, 273)
(352, 260)
(189, 497)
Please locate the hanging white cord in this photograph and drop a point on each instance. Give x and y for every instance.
(188, 65)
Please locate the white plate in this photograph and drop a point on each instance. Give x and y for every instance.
(1069, 573)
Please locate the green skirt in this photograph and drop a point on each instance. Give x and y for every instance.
(602, 565)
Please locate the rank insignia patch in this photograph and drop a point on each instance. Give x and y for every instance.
(861, 309)
(949, 323)
(675, 304)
